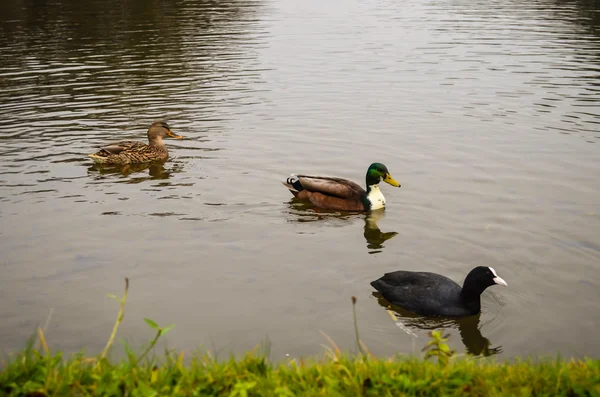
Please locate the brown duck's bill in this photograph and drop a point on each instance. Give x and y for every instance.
(388, 179)
(172, 135)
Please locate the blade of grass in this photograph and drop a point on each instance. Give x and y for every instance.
(118, 322)
(336, 349)
(43, 340)
(358, 343)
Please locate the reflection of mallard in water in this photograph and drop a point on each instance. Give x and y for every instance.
(130, 152)
(156, 170)
(341, 194)
(468, 327)
(302, 212)
(374, 236)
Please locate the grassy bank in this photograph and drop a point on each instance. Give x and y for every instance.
(37, 372)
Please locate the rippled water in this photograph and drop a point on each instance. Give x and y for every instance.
(488, 113)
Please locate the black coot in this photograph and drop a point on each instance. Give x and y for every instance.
(432, 294)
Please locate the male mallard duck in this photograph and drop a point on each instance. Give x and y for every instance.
(127, 152)
(342, 194)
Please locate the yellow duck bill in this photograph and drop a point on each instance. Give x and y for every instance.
(388, 179)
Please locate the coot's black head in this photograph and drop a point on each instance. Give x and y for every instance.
(480, 278)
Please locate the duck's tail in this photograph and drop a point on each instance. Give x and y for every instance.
(293, 184)
(97, 158)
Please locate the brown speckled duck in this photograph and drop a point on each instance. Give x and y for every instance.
(128, 152)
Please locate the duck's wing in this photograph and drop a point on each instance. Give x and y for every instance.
(331, 186)
(331, 202)
(118, 147)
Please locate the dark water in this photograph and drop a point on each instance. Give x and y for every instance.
(487, 112)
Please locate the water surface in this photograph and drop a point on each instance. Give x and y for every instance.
(487, 112)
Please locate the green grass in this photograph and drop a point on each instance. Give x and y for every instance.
(32, 373)
(37, 372)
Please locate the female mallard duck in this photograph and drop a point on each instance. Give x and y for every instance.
(342, 194)
(127, 152)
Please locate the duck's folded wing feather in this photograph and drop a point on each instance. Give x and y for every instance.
(118, 147)
(337, 187)
(331, 202)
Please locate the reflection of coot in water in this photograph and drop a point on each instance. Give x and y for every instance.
(468, 327)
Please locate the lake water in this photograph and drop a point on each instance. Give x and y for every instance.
(487, 113)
